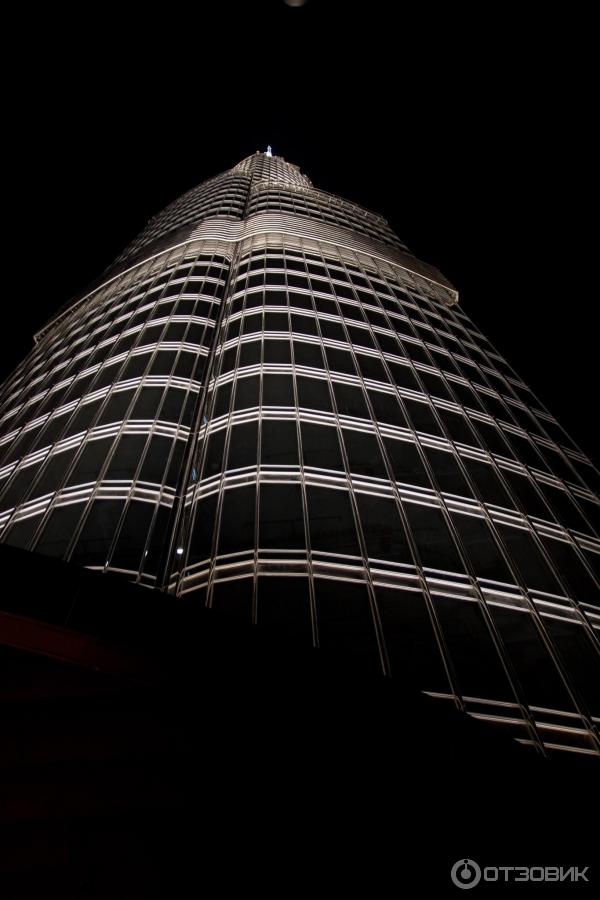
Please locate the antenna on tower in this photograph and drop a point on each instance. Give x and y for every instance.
(269, 150)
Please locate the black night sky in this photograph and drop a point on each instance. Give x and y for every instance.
(471, 132)
(473, 137)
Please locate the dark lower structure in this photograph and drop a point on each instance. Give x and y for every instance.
(151, 747)
(268, 407)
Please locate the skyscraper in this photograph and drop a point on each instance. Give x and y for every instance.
(268, 405)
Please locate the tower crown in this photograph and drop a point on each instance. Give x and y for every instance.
(269, 167)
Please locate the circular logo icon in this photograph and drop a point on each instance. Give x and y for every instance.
(465, 873)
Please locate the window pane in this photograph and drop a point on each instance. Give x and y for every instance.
(250, 354)
(333, 330)
(59, 529)
(279, 445)
(434, 385)
(277, 352)
(303, 324)
(98, 532)
(126, 457)
(526, 452)
(406, 462)
(213, 462)
(157, 541)
(340, 361)
(532, 503)
(528, 559)
(331, 521)
(350, 401)
(320, 447)
(237, 520)
(20, 533)
(163, 363)
(90, 461)
(246, 393)
(382, 528)
(481, 548)
(433, 540)
(492, 439)
(222, 402)
(172, 405)
(132, 536)
(371, 367)
(422, 418)
(202, 531)
(447, 472)
(387, 408)
(308, 355)
(278, 390)
(458, 428)
(313, 393)
(487, 483)
(403, 376)
(19, 486)
(147, 403)
(242, 445)
(82, 419)
(564, 509)
(281, 520)
(364, 456)
(116, 407)
(156, 459)
(52, 476)
(174, 469)
(579, 582)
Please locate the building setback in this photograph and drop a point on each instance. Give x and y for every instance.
(270, 406)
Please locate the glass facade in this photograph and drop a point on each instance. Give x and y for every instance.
(269, 405)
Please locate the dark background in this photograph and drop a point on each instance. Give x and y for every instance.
(471, 134)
